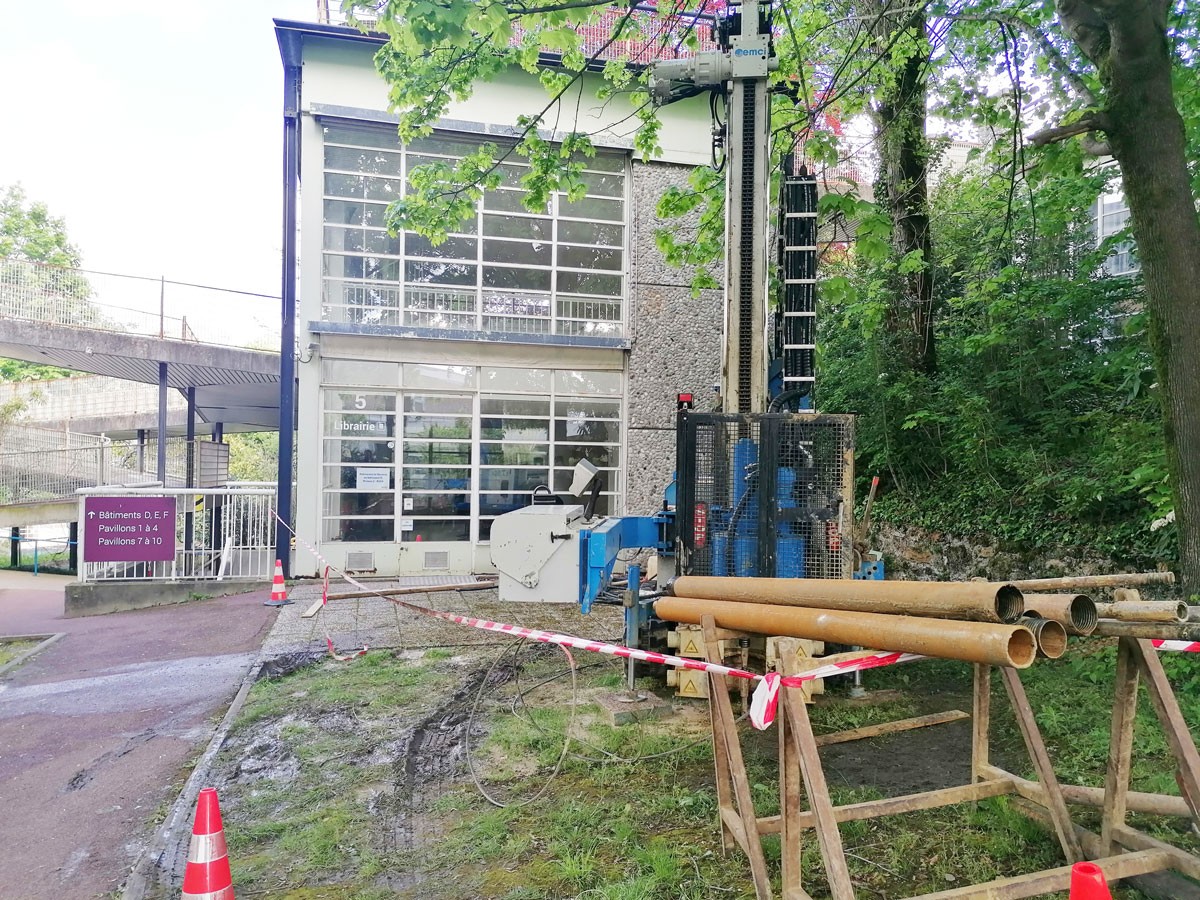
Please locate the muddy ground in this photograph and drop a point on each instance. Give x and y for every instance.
(350, 781)
(402, 765)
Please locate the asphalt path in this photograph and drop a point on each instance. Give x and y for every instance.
(96, 732)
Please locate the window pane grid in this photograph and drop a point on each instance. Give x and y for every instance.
(462, 468)
(368, 275)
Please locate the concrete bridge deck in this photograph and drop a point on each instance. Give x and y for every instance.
(234, 386)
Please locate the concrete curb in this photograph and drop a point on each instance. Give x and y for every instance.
(141, 878)
(48, 639)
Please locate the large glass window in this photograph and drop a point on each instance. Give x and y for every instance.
(359, 466)
(1112, 217)
(456, 446)
(556, 270)
(534, 426)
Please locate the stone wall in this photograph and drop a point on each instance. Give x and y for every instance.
(919, 555)
(676, 342)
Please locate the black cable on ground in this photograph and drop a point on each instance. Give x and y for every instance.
(566, 735)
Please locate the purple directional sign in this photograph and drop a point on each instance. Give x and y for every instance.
(128, 529)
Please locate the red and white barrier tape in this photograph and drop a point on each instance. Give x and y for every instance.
(340, 657)
(763, 705)
(1192, 646)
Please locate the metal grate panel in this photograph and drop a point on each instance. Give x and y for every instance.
(360, 561)
(766, 495)
(796, 323)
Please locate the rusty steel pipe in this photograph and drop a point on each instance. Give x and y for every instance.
(1144, 610)
(1075, 612)
(981, 642)
(1084, 582)
(1150, 631)
(972, 600)
(1051, 636)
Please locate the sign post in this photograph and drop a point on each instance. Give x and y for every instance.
(129, 529)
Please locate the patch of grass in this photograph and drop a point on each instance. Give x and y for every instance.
(10, 650)
(609, 830)
(438, 653)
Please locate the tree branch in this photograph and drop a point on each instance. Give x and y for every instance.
(1033, 33)
(1086, 28)
(1095, 147)
(1087, 123)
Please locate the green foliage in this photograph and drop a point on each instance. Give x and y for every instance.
(17, 370)
(253, 456)
(1042, 421)
(701, 246)
(440, 50)
(28, 231)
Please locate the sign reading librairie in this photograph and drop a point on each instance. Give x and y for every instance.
(128, 529)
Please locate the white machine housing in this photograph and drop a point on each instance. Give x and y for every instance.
(536, 552)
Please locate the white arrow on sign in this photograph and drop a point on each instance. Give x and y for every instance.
(92, 514)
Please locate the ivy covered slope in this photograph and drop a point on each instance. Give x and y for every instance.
(1040, 422)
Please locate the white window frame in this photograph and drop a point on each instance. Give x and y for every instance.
(551, 394)
(401, 312)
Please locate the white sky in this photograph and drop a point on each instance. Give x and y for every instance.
(155, 130)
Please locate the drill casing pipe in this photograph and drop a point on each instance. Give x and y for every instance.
(972, 600)
(1051, 636)
(1144, 610)
(1085, 582)
(980, 642)
(1075, 612)
(1150, 631)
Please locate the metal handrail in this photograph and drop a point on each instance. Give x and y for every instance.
(58, 295)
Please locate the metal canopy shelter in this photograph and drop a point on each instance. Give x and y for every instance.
(234, 387)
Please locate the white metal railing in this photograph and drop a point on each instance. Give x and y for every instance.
(17, 437)
(329, 12)
(84, 397)
(34, 469)
(41, 475)
(221, 534)
(134, 304)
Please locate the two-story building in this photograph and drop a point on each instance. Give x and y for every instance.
(437, 386)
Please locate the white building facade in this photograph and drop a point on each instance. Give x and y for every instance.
(438, 386)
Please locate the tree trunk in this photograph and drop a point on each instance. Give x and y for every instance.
(904, 158)
(1127, 43)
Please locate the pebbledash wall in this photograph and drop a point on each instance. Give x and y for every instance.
(439, 385)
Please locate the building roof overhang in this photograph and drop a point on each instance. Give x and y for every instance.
(291, 34)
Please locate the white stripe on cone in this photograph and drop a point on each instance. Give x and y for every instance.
(278, 587)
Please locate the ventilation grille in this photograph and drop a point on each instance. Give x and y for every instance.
(437, 559)
(360, 561)
(768, 495)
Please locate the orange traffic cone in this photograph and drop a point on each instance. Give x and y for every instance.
(207, 876)
(278, 588)
(1087, 882)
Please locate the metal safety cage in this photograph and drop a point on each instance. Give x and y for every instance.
(768, 495)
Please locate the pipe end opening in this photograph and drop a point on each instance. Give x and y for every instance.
(1010, 603)
(1052, 639)
(1084, 617)
(1022, 647)
(1182, 611)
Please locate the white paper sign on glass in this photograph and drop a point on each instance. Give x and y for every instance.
(372, 479)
